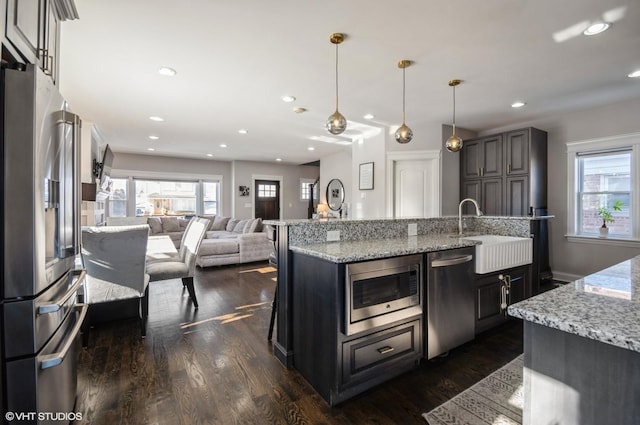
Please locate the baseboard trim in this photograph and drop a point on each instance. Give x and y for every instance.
(566, 277)
(285, 357)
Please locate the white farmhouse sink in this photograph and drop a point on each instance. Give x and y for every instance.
(501, 252)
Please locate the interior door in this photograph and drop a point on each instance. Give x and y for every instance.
(267, 199)
(412, 188)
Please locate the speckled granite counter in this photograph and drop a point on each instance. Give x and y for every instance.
(604, 306)
(369, 249)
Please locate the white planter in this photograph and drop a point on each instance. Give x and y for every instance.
(604, 232)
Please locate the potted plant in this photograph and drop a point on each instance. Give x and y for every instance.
(607, 216)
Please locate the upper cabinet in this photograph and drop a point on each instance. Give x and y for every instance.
(506, 173)
(33, 29)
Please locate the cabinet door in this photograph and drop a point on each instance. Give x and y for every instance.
(491, 196)
(517, 189)
(470, 189)
(23, 27)
(50, 42)
(491, 156)
(518, 290)
(517, 152)
(470, 159)
(488, 311)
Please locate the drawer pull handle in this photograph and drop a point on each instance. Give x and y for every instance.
(385, 350)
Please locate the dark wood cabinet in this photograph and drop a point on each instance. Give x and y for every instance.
(33, 29)
(508, 286)
(517, 162)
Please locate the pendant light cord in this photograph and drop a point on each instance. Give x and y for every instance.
(336, 77)
(403, 95)
(454, 110)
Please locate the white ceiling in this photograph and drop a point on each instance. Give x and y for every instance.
(235, 59)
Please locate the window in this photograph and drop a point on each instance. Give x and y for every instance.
(600, 173)
(210, 194)
(155, 197)
(267, 190)
(305, 189)
(604, 178)
(118, 198)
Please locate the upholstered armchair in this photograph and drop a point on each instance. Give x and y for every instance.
(182, 266)
(114, 257)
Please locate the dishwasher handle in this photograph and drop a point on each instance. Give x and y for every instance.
(451, 261)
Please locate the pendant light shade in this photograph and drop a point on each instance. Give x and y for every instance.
(336, 123)
(454, 143)
(403, 133)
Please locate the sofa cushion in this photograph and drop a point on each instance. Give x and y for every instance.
(219, 234)
(183, 223)
(239, 228)
(155, 224)
(218, 246)
(231, 224)
(211, 218)
(253, 226)
(170, 224)
(220, 223)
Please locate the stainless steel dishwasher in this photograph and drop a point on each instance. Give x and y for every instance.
(450, 300)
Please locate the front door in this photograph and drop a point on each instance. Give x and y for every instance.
(267, 199)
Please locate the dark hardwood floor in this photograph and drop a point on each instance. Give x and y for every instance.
(214, 365)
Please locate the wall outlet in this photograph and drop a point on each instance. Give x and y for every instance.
(412, 229)
(333, 235)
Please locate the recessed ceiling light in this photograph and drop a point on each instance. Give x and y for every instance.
(223, 145)
(243, 131)
(311, 148)
(166, 71)
(288, 99)
(209, 154)
(151, 149)
(153, 137)
(299, 110)
(596, 28)
(518, 104)
(278, 159)
(158, 119)
(634, 74)
(368, 117)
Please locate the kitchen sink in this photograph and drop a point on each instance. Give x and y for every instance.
(501, 252)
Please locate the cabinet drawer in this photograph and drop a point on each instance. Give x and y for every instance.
(366, 355)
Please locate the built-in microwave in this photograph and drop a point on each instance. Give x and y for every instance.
(380, 292)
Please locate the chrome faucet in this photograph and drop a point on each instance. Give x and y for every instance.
(478, 212)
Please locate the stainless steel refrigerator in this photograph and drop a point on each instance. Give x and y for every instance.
(40, 309)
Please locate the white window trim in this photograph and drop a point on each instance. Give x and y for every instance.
(170, 176)
(626, 140)
(305, 181)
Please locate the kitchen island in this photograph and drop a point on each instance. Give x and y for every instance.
(582, 350)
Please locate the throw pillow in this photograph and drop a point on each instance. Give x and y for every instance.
(240, 226)
(183, 222)
(232, 224)
(155, 224)
(170, 224)
(253, 226)
(220, 223)
(211, 218)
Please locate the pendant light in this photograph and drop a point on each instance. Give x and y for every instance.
(454, 143)
(336, 123)
(403, 133)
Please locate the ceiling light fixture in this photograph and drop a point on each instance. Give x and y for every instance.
(299, 110)
(167, 72)
(209, 155)
(517, 104)
(336, 123)
(454, 143)
(223, 145)
(403, 134)
(157, 119)
(243, 131)
(288, 99)
(368, 117)
(634, 74)
(153, 137)
(151, 149)
(596, 28)
(311, 148)
(278, 159)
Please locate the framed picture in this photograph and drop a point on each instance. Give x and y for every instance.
(366, 176)
(244, 190)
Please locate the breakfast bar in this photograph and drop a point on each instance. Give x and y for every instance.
(582, 350)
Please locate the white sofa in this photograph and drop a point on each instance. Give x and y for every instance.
(232, 241)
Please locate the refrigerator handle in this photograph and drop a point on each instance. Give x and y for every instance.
(51, 360)
(57, 305)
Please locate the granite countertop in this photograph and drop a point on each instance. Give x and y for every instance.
(303, 221)
(361, 250)
(604, 306)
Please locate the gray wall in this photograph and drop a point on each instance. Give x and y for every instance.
(571, 258)
(234, 174)
(450, 175)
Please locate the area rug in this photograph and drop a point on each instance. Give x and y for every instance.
(496, 400)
